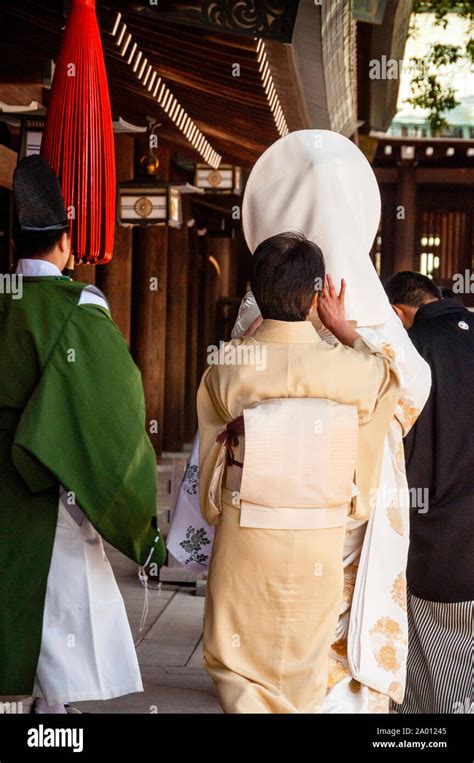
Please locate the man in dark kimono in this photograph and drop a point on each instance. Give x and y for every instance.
(76, 465)
(439, 453)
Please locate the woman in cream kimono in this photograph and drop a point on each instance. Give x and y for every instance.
(319, 183)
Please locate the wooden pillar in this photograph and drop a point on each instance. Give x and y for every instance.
(405, 225)
(149, 314)
(192, 321)
(175, 366)
(211, 292)
(85, 273)
(389, 221)
(115, 278)
(221, 250)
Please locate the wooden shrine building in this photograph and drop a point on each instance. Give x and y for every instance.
(216, 86)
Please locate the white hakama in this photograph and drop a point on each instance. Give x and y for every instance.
(87, 650)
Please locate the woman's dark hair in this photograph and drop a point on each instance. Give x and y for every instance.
(411, 289)
(286, 270)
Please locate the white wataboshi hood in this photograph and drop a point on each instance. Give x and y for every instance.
(318, 183)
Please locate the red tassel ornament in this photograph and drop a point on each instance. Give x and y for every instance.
(78, 137)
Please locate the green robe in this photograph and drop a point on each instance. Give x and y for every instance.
(72, 413)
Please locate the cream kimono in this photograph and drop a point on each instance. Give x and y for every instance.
(270, 617)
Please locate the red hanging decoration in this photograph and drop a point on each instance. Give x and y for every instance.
(78, 137)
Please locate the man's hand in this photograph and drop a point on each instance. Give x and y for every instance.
(332, 312)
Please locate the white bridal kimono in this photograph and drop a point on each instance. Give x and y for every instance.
(368, 658)
(87, 650)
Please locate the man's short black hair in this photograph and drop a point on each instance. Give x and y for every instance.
(411, 289)
(285, 272)
(36, 244)
(450, 294)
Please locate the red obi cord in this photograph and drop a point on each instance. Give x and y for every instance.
(230, 438)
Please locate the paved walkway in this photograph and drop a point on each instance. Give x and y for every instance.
(169, 649)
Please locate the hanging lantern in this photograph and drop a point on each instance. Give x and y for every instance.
(226, 179)
(78, 137)
(148, 201)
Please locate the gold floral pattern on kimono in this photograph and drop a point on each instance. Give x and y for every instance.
(388, 644)
(407, 414)
(399, 591)
(350, 574)
(336, 672)
(338, 664)
(395, 517)
(395, 692)
(400, 457)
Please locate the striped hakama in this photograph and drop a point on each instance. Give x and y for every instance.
(440, 667)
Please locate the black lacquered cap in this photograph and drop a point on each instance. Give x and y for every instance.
(38, 198)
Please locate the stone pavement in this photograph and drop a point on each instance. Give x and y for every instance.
(169, 649)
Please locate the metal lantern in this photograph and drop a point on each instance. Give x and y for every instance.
(148, 202)
(226, 179)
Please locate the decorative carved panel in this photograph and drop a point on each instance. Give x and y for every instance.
(259, 18)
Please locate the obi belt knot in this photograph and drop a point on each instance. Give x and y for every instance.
(230, 439)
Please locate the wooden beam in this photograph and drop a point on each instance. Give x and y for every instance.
(363, 52)
(115, 279)
(429, 175)
(150, 264)
(190, 418)
(445, 175)
(286, 78)
(175, 365)
(21, 93)
(85, 273)
(389, 221)
(405, 225)
(209, 287)
(386, 174)
(389, 39)
(221, 250)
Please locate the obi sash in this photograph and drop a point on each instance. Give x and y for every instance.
(298, 465)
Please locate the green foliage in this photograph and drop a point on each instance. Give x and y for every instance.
(470, 50)
(428, 90)
(441, 9)
(428, 93)
(443, 55)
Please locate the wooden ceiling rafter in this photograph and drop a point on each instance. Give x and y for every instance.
(232, 112)
(248, 86)
(147, 75)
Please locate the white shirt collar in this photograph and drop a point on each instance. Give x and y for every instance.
(37, 267)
